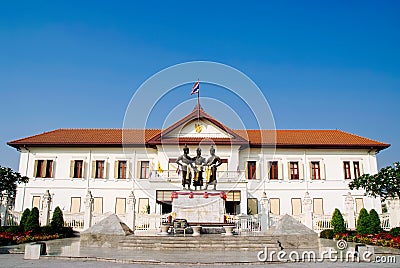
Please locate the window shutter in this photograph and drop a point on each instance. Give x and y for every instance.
(93, 169)
(351, 169)
(322, 170)
(116, 169)
(268, 167)
(138, 169)
(310, 171)
(258, 173)
(84, 169)
(35, 169)
(280, 171)
(71, 169)
(361, 168)
(128, 173)
(301, 171)
(106, 169)
(43, 168)
(246, 170)
(288, 166)
(52, 168)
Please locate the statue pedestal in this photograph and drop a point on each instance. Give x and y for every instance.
(199, 206)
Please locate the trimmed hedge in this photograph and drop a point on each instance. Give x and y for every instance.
(328, 233)
(24, 218)
(338, 222)
(32, 222)
(363, 222)
(374, 223)
(57, 222)
(395, 231)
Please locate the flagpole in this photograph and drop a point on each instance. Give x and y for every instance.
(198, 103)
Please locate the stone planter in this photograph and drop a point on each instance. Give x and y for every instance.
(229, 230)
(164, 229)
(196, 230)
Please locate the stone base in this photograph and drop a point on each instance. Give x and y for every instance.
(199, 207)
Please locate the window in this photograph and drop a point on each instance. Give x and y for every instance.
(275, 206)
(315, 171)
(44, 168)
(36, 202)
(120, 206)
(98, 205)
(144, 207)
(122, 170)
(359, 204)
(144, 169)
(347, 172)
(251, 170)
(356, 166)
(232, 202)
(75, 205)
(252, 206)
(78, 167)
(294, 170)
(296, 206)
(172, 168)
(273, 170)
(99, 169)
(318, 206)
(164, 199)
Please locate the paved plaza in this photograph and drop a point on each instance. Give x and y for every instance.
(67, 252)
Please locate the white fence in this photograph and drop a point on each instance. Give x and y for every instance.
(385, 221)
(147, 222)
(74, 220)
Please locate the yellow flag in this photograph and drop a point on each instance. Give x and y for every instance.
(159, 169)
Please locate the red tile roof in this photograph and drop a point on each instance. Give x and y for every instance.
(256, 138)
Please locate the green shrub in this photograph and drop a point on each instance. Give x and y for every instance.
(47, 230)
(374, 226)
(328, 234)
(395, 231)
(32, 222)
(57, 222)
(363, 222)
(338, 222)
(67, 232)
(12, 229)
(24, 217)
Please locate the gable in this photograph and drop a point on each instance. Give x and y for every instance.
(202, 128)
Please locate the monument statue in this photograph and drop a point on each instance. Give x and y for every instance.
(199, 162)
(211, 171)
(186, 162)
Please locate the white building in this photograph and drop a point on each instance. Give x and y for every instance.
(285, 164)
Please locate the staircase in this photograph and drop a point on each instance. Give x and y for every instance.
(204, 242)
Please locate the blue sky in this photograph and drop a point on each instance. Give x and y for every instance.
(320, 64)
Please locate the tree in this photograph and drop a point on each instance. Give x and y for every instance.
(32, 223)
(363, 222)
(374, 223)
(338, 222)
(385, 184)
(24, 218)
(57, 222)
(9, 180)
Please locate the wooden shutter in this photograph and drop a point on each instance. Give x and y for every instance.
(318, 206)
(322, 170)
(138, 167)
(93, 169)
(301, 171)
(35, 169)
(310, 170)
(268, 167)
(106, 169)
(36, 202)
(360, 166)
(71, 169)
(359, 204)
(280, 171)
(258, 171)
(296, 206)
(127, 172)
(84, 169)
(275, 206)
(52, 168)
(43, 169)
(289, 174)
(98, 205)
(75, 205)
(246, 169)
(116, 169)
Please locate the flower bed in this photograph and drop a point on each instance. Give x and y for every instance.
(7, 238)
(382, 239)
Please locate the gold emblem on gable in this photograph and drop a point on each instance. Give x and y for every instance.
(198, 128)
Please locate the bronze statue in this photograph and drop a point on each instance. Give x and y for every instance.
(199, 162)
(186, 162)
(211, 172)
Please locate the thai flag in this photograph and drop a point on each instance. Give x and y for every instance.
(195, 88)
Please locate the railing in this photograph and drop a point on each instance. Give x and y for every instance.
(172, 175)
(385, 221)
(147, 222)
(321, 222)
(245, 223)
(74, 220)
(13, 218)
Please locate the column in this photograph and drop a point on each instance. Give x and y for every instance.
(3, 208)
(350, 211)
(46, 205)
(130, 213)
(88, 210)
(394, 212)
(264, 213)
(308, 211)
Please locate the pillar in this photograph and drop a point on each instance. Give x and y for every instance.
(130, 213)
(3, 208)
(394, 212)
(264, 213)
(308, 211)
(350, 212)
(46, 206)
(88, 210)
